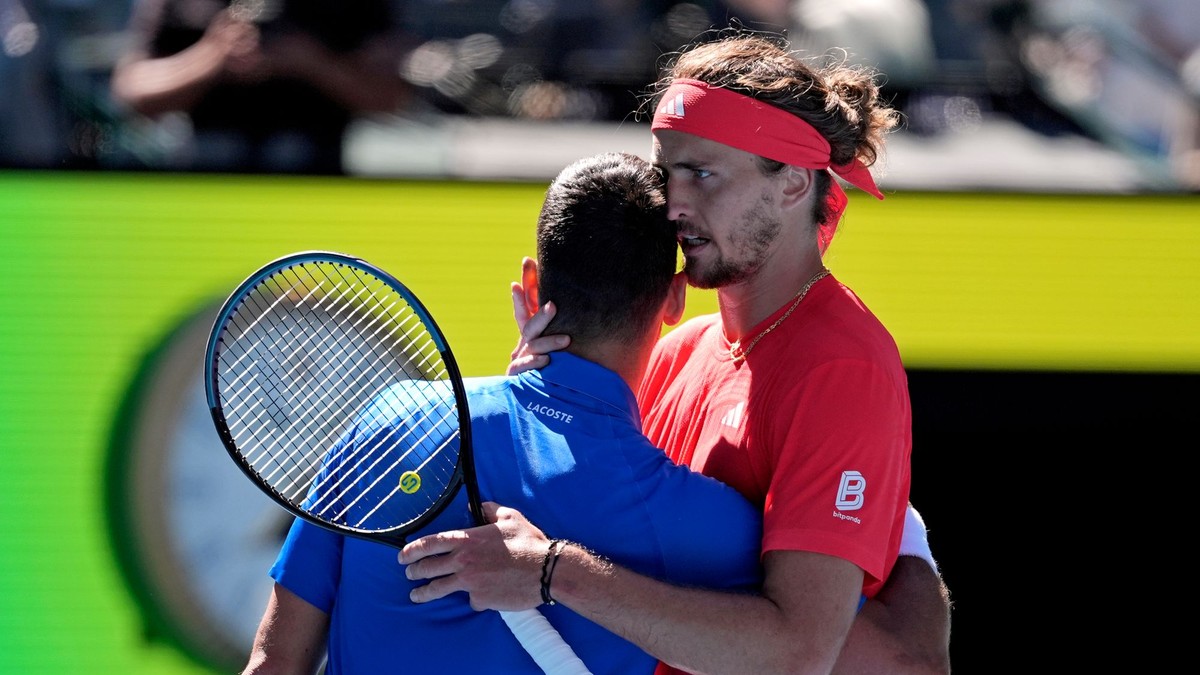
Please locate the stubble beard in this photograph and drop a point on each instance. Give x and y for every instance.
(750, 240)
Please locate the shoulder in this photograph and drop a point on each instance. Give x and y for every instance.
(487, 386)
(486, 395)
(834, 342)
(841, 326)
(674, 351)
(688, 334)
(697, 325)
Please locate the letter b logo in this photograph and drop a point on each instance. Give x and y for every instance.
(850, 491)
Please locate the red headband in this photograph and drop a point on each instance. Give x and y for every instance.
(741, 122)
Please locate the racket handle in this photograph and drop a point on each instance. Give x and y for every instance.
(543, 643)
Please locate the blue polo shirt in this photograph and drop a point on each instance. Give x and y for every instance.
(563, 445)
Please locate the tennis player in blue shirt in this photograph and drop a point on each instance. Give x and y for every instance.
(563, 445)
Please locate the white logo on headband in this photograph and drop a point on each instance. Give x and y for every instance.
(672, 106)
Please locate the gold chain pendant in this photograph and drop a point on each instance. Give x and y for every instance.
(735, 348)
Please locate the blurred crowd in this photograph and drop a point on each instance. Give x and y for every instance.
(271, 85)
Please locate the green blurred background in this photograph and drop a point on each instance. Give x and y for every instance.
(100, 271)
(1037, 259)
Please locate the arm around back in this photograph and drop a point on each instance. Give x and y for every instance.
(797, 624)
(906, 625)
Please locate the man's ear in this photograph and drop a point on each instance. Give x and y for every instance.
(529, 281)
(673, 309)
(798, 183)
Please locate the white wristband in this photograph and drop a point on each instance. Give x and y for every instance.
(915, 539)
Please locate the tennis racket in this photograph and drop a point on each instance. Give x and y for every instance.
(336, 393)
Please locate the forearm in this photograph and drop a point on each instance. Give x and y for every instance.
(155, 86)
(796, 625)
(905, 629)
(701, 630)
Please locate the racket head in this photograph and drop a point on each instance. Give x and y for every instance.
(334, 390)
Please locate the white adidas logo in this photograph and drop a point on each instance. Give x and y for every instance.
(672, 106)
(733, 418)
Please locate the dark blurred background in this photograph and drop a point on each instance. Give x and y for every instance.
(1123, 75)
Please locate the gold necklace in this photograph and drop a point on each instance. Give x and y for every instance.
(735, 349)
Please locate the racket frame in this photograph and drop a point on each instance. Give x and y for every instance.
(464, 471)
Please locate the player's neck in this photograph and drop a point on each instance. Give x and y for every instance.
(745, 305)
(623, 358)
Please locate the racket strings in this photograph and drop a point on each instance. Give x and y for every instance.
(278, 334)
(322, 338)
(322, 330)
(361, 492)
(303, 354)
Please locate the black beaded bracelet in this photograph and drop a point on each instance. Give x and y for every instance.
(548, 565)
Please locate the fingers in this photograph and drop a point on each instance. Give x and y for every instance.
(532, 347)
(538, 322)
(520, 364)
(425, 558)
(520, 313)
(431, 545)
(541, 346)
(491, 511)
(535, 353)
(434, 590)
(530, 326)
(497, 565)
